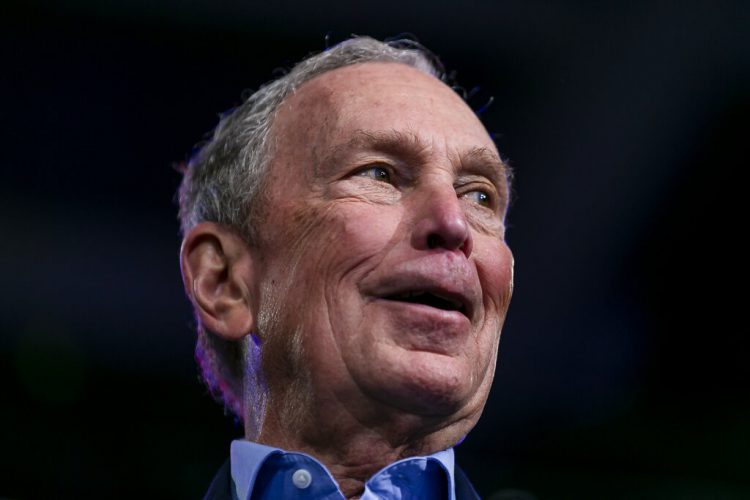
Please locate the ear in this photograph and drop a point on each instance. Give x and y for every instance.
(217, 271)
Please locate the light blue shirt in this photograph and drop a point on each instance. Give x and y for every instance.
(262, 472)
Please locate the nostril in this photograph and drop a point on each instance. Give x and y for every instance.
(442, 229)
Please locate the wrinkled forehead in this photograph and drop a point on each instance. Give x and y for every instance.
(375, 98)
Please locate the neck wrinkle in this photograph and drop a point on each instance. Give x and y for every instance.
(352, 450)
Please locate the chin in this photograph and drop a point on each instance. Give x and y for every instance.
(428, 384)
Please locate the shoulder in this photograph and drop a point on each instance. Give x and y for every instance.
(464, 488)
(221, 485)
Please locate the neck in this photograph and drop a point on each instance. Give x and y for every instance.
(354, 441)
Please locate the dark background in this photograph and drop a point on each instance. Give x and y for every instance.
(623, 369)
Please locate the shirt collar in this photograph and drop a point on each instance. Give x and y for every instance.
(247, 457)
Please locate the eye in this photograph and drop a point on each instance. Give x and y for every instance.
(480, 198)
(376, 172)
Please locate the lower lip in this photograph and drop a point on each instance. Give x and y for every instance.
(423, 309)
(419, 327)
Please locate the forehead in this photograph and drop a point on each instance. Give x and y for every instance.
(376, 98)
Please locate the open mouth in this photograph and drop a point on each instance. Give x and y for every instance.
(430, 299)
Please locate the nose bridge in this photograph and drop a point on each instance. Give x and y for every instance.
(440, 220)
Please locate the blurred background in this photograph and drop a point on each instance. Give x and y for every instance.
(623, 369)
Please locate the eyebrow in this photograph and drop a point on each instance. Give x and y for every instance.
(409, 147)
(405, 145)
(484, 161)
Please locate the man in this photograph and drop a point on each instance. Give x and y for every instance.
(344, 252)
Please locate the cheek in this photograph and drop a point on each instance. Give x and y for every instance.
(357, 237)
(495, 266)
(370, 230)
(320, 247)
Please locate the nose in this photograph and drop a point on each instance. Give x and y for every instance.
(441, 223)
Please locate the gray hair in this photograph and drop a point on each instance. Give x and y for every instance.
(223, 181)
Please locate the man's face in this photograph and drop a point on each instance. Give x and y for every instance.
(382, 261)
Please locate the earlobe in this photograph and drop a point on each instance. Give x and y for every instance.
(217, 273)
